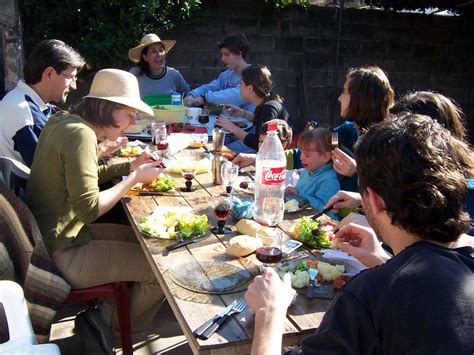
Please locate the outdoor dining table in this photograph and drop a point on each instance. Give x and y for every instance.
(191, 310)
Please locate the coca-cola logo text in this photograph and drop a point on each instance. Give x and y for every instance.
(273, 176)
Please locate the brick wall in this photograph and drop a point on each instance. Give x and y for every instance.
(417, 51)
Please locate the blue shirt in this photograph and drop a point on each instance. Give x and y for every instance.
(223, 90)
(319, 186)
(23, 115)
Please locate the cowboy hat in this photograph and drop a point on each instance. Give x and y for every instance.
(118, 86)
(135, 54)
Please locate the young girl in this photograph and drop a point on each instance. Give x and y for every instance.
(255, 87)
(318, 181)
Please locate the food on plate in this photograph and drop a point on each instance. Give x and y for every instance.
(317, 233)
(300, 274)
(250, 227)
(165, 226)
(215, 109)
(161, 184)
(244, 185)
(292, 206)
(242, 245)
(130, 151)
(202, 166)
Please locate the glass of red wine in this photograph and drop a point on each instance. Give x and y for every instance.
(204, 117)
(222, 205)
(270, 252)
(188, 171)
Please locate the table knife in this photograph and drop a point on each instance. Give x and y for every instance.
(203, 327)
(319, 214)
(185, 242)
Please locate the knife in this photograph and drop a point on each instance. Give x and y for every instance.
(319, 214)
(185, 242)
(203, 327)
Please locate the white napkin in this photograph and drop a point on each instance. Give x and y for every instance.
(137, 143)
(351, 264)
(178, 142)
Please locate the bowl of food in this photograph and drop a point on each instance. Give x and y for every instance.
(170, 113)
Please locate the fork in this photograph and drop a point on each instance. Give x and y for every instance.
(334, 140)
(312, 276)
(237, 308)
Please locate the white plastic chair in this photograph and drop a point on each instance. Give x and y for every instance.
(22, 338)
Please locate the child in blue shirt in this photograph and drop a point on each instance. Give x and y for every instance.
(318, 182)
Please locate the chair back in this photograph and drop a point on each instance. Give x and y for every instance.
(21, 336)
(22, 249)
(14, 174)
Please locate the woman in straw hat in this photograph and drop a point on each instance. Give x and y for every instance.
(63, 194)
(154, 76)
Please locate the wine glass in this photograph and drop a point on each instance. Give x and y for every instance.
(188, 171)
(270, 252)
(273, 210)
(229, 173)
(204, 117)
(222, 205)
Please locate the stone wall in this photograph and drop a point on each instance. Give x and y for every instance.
(11, 53)
(417, 51)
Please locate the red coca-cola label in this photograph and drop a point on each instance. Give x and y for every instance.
(273, 176)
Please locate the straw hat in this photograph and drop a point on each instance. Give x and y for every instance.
(135, 54)
(118, 86)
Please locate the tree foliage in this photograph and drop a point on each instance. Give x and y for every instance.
(456, 6)
(101, 30)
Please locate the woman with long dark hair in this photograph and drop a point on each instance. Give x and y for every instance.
(255, 87)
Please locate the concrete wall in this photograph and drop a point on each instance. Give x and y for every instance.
(417, 51)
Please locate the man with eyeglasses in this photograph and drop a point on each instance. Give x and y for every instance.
(49, 75)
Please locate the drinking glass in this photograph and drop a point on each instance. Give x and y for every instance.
(229, 173)
(273, 210)
(188, 171)
(222, 205)
(270, 252)
(159, 135)
(204, 117)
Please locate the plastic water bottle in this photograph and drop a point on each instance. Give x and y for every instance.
(270, 173)
(175, 99)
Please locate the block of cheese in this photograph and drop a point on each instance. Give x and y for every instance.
(243, 245)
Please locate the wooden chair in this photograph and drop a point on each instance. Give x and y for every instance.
(15, 175)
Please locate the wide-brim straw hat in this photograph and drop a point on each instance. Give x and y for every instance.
(118, 86)
(135, 54)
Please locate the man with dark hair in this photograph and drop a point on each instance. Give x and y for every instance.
(225, 89)
(411, 177)
(49, 75)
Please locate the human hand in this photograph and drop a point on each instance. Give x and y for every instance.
(362, 243)
(147, 172)
(188, 100)
(344, 199)
(343, 163)
(243, 160)
(233, 110)
(354, 218)
(225, 123)
(268, 292)
(144, 158)
(290, 190)
(108, 147)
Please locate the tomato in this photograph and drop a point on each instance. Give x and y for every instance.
(340, 281)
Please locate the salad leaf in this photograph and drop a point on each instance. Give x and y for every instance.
(303, 231)
(166, 226)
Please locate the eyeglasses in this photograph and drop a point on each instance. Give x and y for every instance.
(70, 77)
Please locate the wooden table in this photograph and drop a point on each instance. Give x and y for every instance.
(235, 336)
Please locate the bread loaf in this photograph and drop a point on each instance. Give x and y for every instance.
(243, 245)
(249, 227)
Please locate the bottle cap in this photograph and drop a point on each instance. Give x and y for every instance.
(272, 127)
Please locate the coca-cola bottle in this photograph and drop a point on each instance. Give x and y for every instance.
(270, 173)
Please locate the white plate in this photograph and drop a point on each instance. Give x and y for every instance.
(212, 119)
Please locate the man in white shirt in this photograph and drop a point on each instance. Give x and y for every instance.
(49, 75)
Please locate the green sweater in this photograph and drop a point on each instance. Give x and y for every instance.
(63, 187)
